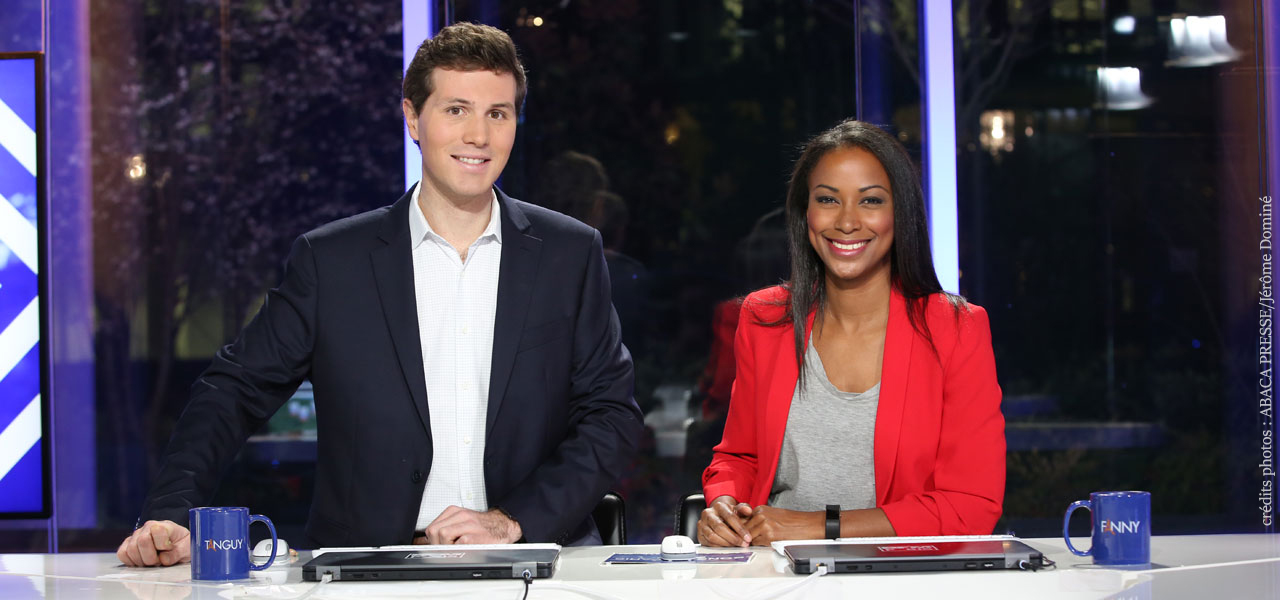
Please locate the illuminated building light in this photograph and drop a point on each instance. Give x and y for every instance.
(1120, 88)
(1124, 25)
(1199, 42)
(997, 131)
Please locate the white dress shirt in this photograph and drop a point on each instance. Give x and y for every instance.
(457, 301)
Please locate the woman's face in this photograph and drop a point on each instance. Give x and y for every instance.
(850, 215)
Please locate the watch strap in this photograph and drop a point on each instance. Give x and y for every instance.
(833, 521)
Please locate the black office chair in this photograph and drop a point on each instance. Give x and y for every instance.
(610, 516)
(687, 515)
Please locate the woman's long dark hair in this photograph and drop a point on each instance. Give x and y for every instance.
(911, 262)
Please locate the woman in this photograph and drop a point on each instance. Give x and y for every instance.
(885, 401)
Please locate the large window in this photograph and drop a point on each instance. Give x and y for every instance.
(671, 127)
(221, 131)
(1110, 201)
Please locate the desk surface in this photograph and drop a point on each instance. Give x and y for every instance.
(1186, 567)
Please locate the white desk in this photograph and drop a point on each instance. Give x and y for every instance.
(99, 575)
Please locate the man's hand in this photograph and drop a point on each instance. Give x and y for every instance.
(769, 524)
(463, 526)
(156, 543)
(723, 523)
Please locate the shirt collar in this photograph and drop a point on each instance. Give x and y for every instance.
(420, 229)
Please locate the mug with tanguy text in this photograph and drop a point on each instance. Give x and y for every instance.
(1121, 528)
(220, 543)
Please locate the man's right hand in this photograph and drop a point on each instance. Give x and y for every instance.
(724, 523)
(156, 543)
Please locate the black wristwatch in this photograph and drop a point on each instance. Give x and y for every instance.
(833, 521)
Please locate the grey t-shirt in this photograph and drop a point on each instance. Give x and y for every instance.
(828, 448)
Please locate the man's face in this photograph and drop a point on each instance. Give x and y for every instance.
(465, 129)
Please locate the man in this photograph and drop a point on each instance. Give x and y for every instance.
(470, 382)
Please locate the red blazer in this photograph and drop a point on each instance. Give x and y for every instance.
(939, 437)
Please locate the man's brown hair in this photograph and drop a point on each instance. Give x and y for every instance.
(463, 47)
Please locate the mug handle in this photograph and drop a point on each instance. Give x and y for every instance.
(274, 543)
(1066, 520)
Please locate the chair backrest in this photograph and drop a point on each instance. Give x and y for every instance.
(610, 516)
(687, 515)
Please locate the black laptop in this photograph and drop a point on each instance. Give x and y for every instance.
(882, 557)
(457, 562)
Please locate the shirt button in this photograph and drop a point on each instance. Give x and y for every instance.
(467, 440)
(466, 330)
(470, 496)
(416, 477)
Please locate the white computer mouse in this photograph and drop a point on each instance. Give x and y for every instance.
(678, 547)
(263, 549)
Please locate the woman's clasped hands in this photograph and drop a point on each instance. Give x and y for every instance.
(727, 522)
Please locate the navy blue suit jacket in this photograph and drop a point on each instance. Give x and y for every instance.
(562, 423)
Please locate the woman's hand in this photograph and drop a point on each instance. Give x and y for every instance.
(723, 523)
(768, 524)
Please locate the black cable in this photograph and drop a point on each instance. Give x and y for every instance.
(528, 579)
(1032, 566)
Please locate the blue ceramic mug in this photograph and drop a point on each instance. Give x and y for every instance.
(1121, 528)
(220, 543)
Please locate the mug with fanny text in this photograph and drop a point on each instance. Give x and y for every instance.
(220, 543)
(1121, 528)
